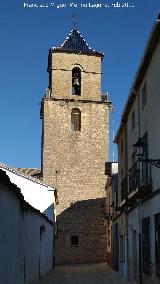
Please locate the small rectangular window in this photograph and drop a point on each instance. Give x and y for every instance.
(74, 240)
(144, 96)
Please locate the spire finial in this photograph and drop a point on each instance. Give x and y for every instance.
(75, 17)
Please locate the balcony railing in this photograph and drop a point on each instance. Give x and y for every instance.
(140, 176)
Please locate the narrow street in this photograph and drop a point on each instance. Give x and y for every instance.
(83, 274)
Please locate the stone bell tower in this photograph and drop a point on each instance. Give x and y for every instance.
(75, 129)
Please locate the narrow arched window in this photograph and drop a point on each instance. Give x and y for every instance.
(76, 81)
(76, 119)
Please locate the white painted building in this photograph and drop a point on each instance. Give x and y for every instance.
(138, 139)
(37, 194)
(26, 237)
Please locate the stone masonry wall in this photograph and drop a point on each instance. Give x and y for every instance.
(61, 74)
(74, 162)
(84, 219)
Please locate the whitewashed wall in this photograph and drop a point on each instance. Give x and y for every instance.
(149, 122)
(38, 195)
(24, 254)
(148, 209)
(149, 116)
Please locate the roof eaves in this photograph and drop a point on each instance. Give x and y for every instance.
(86, 49)
(95, 53)
(5, 167)
(16, 190)
(148, 53)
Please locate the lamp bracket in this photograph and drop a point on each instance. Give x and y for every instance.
(153, 162)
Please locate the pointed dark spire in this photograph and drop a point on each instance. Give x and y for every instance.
(75, 43)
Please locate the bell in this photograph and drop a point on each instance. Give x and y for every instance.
(76, 82)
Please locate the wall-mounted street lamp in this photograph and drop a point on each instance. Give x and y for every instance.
(141, 146)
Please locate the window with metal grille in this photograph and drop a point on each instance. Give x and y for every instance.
(76, 119)
(157, 244)
(145, 246)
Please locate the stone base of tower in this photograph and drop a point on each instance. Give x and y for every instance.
(82, 233)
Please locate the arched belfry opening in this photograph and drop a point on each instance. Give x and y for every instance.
(76, 119)
(76, 81)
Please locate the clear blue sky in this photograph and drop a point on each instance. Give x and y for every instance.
(26, 34)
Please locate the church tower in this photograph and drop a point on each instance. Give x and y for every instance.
(75, 130)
